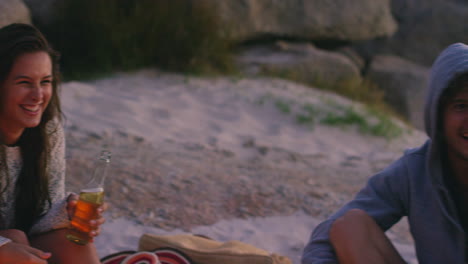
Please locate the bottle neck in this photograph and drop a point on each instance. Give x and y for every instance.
(100, 171)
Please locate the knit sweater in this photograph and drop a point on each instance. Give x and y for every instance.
(55, 216)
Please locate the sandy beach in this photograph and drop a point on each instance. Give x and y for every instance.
(225, 157)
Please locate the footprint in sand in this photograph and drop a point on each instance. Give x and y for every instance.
(161, 113)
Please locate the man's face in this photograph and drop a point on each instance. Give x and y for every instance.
(455, 123)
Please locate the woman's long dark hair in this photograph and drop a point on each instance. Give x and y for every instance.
(31, 191)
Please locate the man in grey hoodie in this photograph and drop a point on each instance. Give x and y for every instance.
(428, 184)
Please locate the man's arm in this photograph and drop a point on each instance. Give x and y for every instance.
(384, 198)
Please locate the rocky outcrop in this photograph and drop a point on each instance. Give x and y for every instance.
(426, 27)
(42, 11)
(339, 40)
(300, 62)
(13, 11)
(404, 84)
(307, 19)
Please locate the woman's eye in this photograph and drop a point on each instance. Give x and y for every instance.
(46, 82)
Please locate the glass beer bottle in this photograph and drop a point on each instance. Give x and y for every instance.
(91, 197)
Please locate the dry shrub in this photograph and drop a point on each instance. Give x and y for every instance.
(97, 36)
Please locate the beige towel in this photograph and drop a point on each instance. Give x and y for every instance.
(207, 251)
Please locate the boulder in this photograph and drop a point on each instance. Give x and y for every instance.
(300, 62)
(404, 84)
(354, 56)
(42, 11)
(425, 28)
(341, 20)
(13, 11)
(337, 20)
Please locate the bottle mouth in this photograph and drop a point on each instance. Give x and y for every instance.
(92, 190)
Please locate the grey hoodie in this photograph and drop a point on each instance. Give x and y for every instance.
(412, 186)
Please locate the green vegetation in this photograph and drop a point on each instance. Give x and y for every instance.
(98, 37)
(383, 125)
(308, 116)
(283, 106)
(370, 120)
(349, 117)
(364, 91)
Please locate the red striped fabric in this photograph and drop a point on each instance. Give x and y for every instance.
(159, 256)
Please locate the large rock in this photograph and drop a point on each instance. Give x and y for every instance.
(42, 11)
(337, 20)
(307, 19)
(404, 84)
(425, 27)
(13, 11)
(301, 62)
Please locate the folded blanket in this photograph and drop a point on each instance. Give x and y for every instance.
(204, 250)
(160, 256)
(193, 249)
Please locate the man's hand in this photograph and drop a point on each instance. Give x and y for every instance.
(72, 200)
(16, 253)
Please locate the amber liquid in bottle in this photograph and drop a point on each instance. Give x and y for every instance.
(91, 197)
(85, 211)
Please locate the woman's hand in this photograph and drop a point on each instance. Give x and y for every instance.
(95, 224)
(19, 251)
(13, 252)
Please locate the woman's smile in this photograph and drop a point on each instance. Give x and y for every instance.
(32, 109)
(26, 93)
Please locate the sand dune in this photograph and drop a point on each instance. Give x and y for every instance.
(248, 119)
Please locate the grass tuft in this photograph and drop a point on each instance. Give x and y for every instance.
(370, 121)
(361, 90)
(308, 116)
(382, 126)
(349, 117)
(283, 106)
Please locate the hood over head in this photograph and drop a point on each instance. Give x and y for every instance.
(451, 62)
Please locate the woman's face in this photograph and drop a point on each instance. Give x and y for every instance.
(25, 92)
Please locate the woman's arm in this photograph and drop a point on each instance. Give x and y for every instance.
(49, 232)
(64, 251)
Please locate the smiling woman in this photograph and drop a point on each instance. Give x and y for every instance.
(26, 94)
(33, 206)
